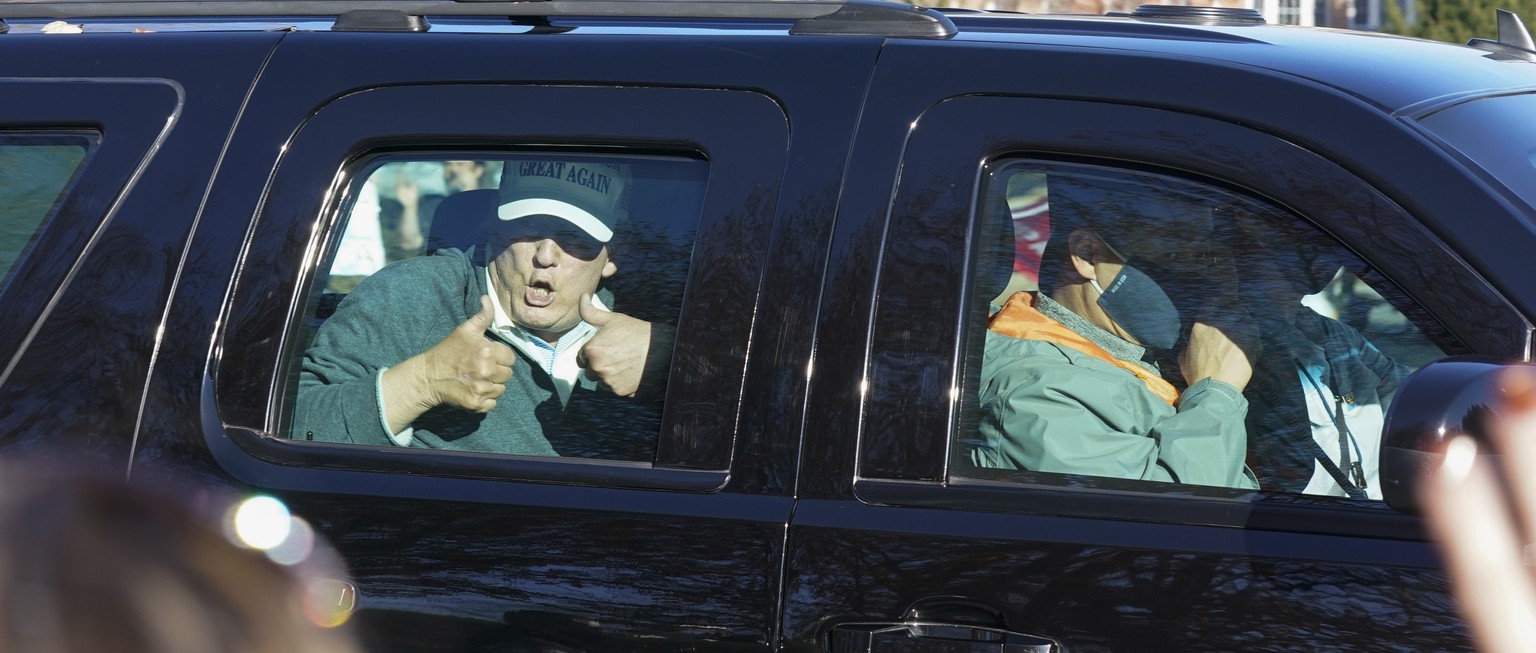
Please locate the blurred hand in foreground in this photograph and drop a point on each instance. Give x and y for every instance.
(1484, 518)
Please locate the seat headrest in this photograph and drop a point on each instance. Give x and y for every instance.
(461, 218)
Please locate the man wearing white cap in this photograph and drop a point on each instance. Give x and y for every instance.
(507, 348)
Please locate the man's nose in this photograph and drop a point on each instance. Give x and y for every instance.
(547, 252)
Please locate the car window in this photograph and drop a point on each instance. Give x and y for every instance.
(392, 216)
(582, 260)
(35, 170)
(1147, 327)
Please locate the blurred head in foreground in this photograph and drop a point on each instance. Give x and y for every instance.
(91, 565)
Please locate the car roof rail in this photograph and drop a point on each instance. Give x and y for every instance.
(840, 17)
(1198, 14)
(880, 18)
(1514, 40)
(380, 20)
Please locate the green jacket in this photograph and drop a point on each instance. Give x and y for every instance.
(1051, 408)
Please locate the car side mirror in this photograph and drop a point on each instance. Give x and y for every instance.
(1459, 395)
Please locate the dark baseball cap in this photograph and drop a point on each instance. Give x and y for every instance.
(592, 196)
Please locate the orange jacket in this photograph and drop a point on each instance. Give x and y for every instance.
(1019, 319)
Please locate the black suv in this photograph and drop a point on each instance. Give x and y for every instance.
(830, 198)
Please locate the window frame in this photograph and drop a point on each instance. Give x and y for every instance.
(696, 446)
(367, 167)
(997, 170)
(916, 365)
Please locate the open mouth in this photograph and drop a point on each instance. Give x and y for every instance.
(539, 294)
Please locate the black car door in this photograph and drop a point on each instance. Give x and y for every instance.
(106, 158)
(898, 541)
(452, 551)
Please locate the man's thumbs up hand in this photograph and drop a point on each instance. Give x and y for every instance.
(616, 355)
(466, 369)
(479, 322)
(595, 315)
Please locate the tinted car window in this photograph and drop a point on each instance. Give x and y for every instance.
(35, 169)
(419, 244)
(1105, 287)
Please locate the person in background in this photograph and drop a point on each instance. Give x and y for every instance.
(417, 209)
(384, 227)
(1320, 390)
(89, 565)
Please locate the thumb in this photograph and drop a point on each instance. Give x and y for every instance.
(481, 321)
(593, 315)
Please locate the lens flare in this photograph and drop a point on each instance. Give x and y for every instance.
(262, 522)
(295, 548)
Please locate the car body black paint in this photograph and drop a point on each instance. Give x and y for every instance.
(151, 333)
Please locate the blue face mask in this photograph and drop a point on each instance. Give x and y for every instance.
(1141, 307)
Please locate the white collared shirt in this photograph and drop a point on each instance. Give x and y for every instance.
(558, 360)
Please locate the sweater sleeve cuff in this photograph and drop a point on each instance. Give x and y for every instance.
(402, 438)
(1210, 386)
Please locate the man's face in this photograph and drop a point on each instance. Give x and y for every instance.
(548, 266)
(1283, 260)
(1177, 278)
(462, 175)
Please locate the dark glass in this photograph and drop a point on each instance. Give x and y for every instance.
(1328, 349)
(35, 172)
(403, 206)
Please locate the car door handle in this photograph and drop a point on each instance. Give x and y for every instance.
(330, 601)
(932, 637)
